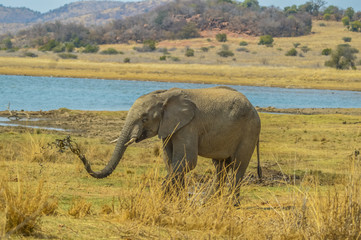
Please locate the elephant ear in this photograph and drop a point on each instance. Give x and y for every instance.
(178, 111)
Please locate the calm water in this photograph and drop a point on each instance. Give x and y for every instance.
(47, 93)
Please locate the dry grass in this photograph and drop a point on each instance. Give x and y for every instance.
(309, 202)
(260, 66)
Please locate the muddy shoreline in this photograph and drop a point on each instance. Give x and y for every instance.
(107, 125)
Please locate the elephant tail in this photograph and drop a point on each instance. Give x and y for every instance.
(259, 169)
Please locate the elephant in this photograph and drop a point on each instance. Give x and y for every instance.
(218, 123)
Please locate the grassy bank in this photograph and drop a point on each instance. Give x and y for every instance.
(253, 64)
(310, 189)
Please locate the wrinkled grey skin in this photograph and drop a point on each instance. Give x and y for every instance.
(217, 123)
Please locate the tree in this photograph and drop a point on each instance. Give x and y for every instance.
(188, 31)
(250, 4)
(349, 12)
(343, 57)
(7, 43)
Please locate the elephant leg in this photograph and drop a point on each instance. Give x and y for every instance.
(184, 157)
(222, 166)
(167, 155)
(241, 162)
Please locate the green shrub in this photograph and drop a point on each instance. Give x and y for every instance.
(91, 49)
(343, 57)
(59, 48)
(69, 47)
(189, 52)
(327, 16)
(67, 56)
(243, 49)
(126, 60)
(346, 39)
(243, 43)
(296, 44)
(175, 59)
(346, 21)
(30, 54)
(204, 49)
(305, 49)
(292, 52)
(326, 51)
(221, 37)
(109, 51)
(162, 58)
(322, 25)
(355, 26)
(266, 40)
(49, 45)
(225, 52)
(149, 45)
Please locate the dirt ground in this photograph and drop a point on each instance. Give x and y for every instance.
(107, 125)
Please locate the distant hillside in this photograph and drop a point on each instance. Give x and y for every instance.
(17, 15)
(84, 12)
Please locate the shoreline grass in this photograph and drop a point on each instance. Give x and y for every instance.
(269, 76)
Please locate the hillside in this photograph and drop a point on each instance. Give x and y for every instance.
(86, 12)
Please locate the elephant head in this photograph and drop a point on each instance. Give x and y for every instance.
(161, 113)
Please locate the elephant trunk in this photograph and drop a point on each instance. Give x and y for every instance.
(122, 143)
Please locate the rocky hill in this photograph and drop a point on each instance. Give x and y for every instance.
(84, 12)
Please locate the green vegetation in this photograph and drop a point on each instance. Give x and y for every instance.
(346, 39)
(189, 52)
(67, 56)
(343, 57)
(225, 52)
(90, 48)
(292, 52)
(110, 51)
(221, 37)
(326, 51)
(243, 43)
(266, 40)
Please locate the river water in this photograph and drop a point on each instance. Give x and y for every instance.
(48, 93)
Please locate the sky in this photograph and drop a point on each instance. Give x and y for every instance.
(46, 5)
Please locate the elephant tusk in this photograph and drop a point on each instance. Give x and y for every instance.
(130, 142)
(115, 140)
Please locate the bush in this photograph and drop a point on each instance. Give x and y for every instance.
(355, 26)
(69, 47)
(67, 56)
(221, 37)
(225, 52)
(204, 49)
(162, 58)
(30, 54)
(109, 51)
(189, 52)
(305, 49)
(243, 49)
(266, 40)
(346, 21)
(126, 60)
(326, 51)
(343, 57)
(91, 49)
(150, 45)
(243, 43)
(346, 39)
(175, 59)
(49, 46)
(58, 49)
(296, 44)
(292, 52)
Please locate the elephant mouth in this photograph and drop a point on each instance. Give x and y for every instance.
(141, 137)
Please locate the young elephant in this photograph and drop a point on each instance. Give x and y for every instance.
(218, 123)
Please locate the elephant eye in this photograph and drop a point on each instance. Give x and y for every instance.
(144, 119)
